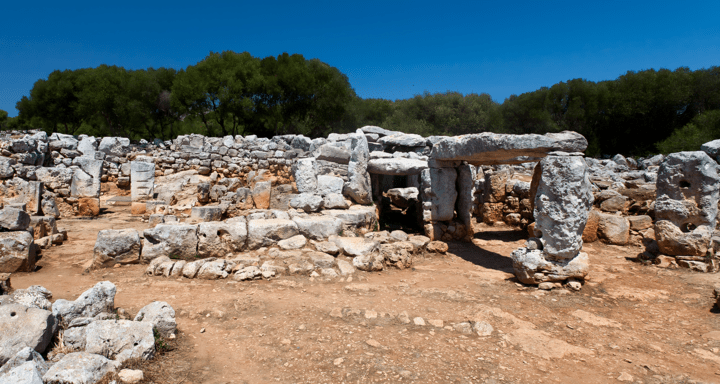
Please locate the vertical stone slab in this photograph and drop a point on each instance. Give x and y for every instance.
(305, 175)
(358, 187)
(686, 207)
(142, 180)
(562, 203)
(466, 197)
(438, 193)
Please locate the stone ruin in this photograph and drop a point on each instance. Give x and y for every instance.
(230, 201)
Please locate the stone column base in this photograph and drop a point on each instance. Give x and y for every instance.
(532, 266)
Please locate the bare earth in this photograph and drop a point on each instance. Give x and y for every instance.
(629, 322)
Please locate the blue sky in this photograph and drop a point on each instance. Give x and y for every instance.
(388, 49)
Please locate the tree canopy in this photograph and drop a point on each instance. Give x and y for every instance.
(229, 93)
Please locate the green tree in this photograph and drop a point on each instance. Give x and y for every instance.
(3, 119)
(703, 128)
(221, 88)
(300, 96)
(52, 103)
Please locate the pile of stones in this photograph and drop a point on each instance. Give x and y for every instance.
(92, 338)
(23, 236)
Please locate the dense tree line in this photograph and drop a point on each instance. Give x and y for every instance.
(235, 93)
(226, 93)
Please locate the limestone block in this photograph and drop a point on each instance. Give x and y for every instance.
(96, 300)
(161, 315)
(219, 239)
(22, 327)
(13, 219)
(142, 179)
(80, 368)
(17, 252)
(120, 339)
(265, 232)
(687, 197)
(358, 187)
(396, 166)
(170, 239)
(494, 148)
(120, 246)
(329, 185)
(305, 175)
(438, 193)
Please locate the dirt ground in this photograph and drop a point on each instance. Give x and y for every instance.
(629, 322)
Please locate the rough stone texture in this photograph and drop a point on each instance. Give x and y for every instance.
(34, 296)
(712, 148)
(438, 193)
(88, 206)
(398, 255)
(161, 315)
(308, 202)
(318, 227)
(142, 179)
(261, 194)
(532, 267)
(114, 146)
(335, 201)
(219, 239)
(262, 233)
(207, 213)
(13, 219)
(120, 339)
(403, 197)
(120, 246)
(494, 148)
(404, 140)
(358, 187)
(686, 204)
(321, 260)
(396, 166)
(305, 176)
(562, 203)
(94, 301)
(26, 373)
(295, 242)
(22, 327)
(369, 262)
(640, 222)
(466, 201)
(23, 356)
(355, 246)
(84, 184)
(673, 241)
(17, 252)
(80, 368)
(170, 239)
(329, 185)
(613, 229)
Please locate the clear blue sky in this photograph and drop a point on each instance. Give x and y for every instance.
(388, 49)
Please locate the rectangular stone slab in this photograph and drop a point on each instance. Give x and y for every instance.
(493, 148)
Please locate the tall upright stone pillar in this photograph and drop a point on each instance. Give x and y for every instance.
(142, 179)
(562, 203)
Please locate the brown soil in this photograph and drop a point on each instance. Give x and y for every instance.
(629, 322)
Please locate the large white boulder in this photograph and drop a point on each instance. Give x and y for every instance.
(96, 300)
(120, 339)
(80, 368)
(265, 232)
(179, 240)
(22, 327)
(221, 238)
(116, 246)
